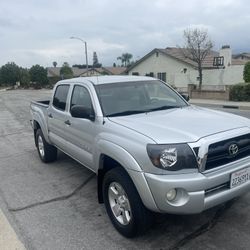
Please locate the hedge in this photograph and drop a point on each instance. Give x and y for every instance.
(246, 72)
(240, 92)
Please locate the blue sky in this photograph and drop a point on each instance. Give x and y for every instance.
(38, 31)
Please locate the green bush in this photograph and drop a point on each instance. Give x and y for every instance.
(10, 74)
(246, 73)
(38, 74)
(53, 80)
(240, 92)
(66, 72)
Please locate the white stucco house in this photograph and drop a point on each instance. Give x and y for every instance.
(171, 65)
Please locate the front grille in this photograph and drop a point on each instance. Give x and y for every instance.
(218, 153)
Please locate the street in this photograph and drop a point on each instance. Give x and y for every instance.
(54, 206)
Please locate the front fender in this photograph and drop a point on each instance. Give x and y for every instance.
(127, 161)
(117, 153)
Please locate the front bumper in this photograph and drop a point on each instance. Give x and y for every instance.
(198, 191)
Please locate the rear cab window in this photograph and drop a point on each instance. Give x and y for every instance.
(60, 97)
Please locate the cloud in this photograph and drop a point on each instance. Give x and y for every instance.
(38, 31)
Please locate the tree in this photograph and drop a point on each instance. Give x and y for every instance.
(1, 81)
(66, 71)
(197, 47)
(114, 65)
(10, 73)
(125, 59)
(24, 77)
(95, 58)
(246, 72)
(54, 63)
(96, 63)
(38, 74)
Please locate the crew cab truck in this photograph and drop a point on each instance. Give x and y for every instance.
(151, 149)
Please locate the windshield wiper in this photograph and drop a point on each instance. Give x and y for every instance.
(127, 112)
(164, 107)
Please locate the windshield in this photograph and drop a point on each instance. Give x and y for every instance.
(126, 98)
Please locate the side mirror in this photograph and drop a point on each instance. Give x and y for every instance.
(186, 97)
(79, 111)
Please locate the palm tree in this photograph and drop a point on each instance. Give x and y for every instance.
(125, 59)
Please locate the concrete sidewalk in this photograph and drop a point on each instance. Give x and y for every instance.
(8, 237)
(221, 104)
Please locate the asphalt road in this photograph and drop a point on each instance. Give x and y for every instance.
(54, 206)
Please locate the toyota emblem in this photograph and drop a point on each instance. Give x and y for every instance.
(233, 149)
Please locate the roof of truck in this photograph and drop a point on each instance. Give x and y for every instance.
(96, 80)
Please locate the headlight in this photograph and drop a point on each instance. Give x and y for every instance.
(172, 157)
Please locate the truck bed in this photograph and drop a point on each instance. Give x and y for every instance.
(39, 113)
(41, 103)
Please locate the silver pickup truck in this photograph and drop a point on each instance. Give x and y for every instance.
(151, 149)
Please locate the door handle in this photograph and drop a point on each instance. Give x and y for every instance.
(67, 122)
(50, 115)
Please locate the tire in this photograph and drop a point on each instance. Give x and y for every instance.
(123, 204)
(47, 152)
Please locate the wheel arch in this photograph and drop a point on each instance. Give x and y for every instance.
(37, 124)
(106, 163)
(111, 156)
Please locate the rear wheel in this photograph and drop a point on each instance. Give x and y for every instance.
(123, 204)
(47, 152)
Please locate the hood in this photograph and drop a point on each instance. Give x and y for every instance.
(181, 125)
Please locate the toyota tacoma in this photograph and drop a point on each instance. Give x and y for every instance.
(151, 149)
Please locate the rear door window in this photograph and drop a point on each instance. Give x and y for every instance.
(60, 97)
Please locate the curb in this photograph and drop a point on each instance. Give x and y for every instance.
(223, 106)
(230, 107)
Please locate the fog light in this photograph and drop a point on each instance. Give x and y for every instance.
(171, 194)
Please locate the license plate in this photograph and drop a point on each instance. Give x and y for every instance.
(240, 177)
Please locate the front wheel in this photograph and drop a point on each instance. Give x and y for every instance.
(123, 204)
(47, 152)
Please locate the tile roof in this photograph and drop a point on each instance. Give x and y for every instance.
(242, 56)
(116, 70)
(238, 62)
(184, 56)
(55, 71)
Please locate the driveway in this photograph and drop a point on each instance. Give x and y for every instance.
(54, 206)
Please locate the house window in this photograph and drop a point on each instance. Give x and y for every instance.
(135, 73)
(162, 76)
(218, 61)
(157, 54)
(151, 74)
